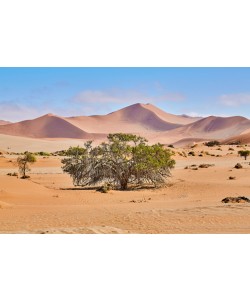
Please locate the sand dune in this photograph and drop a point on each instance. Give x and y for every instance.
(47, 126)
(183, 119)
(3, 122)
(136, 118)
(214, 124)
(144, 119)
(242, 138)
(205, 129)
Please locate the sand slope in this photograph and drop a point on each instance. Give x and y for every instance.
(47, 126)
(219, 126)
(242, 138)
(3, 122)
(11, 143)
(205, 129)
(137, 118)
(183, 119)
(144, 119)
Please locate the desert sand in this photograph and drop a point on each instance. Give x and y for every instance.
(190, 203)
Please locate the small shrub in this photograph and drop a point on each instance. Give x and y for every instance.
(212, 143)
(238, 166)
(205, 165)
(184, 153)
(231, 177)
(191, 153)
(42, 153)
(235, 200)
(12, 174)
(23, 163)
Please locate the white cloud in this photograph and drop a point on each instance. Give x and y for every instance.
(118, 96)
(235, 99)
(195, 114)
(11, 111)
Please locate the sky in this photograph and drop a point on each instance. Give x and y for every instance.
(27, 93)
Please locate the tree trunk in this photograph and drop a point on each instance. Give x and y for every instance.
(24, 170)
(124, 185)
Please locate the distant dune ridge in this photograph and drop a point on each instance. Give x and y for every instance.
(144, 119)
(3, 122)
(242, 138)
(47, 126)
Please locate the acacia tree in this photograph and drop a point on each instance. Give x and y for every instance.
(24, 162)
(124, 159)
(244, 153)
(79, 164)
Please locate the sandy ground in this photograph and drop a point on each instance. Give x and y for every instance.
(191, 203)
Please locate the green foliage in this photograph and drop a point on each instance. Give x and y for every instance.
(212, 143)
(124, 159)
(75, 151)
(244, 153)
(24, 162)
(42, 153)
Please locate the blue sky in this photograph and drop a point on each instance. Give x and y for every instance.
(26, 93)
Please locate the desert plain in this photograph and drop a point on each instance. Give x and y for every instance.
(48, 202)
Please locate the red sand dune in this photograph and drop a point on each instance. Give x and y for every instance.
(47, 126)
(144, 119)
(242, 138)
(137, 118)
(207, 128)
(183, 119)
(217, 127)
